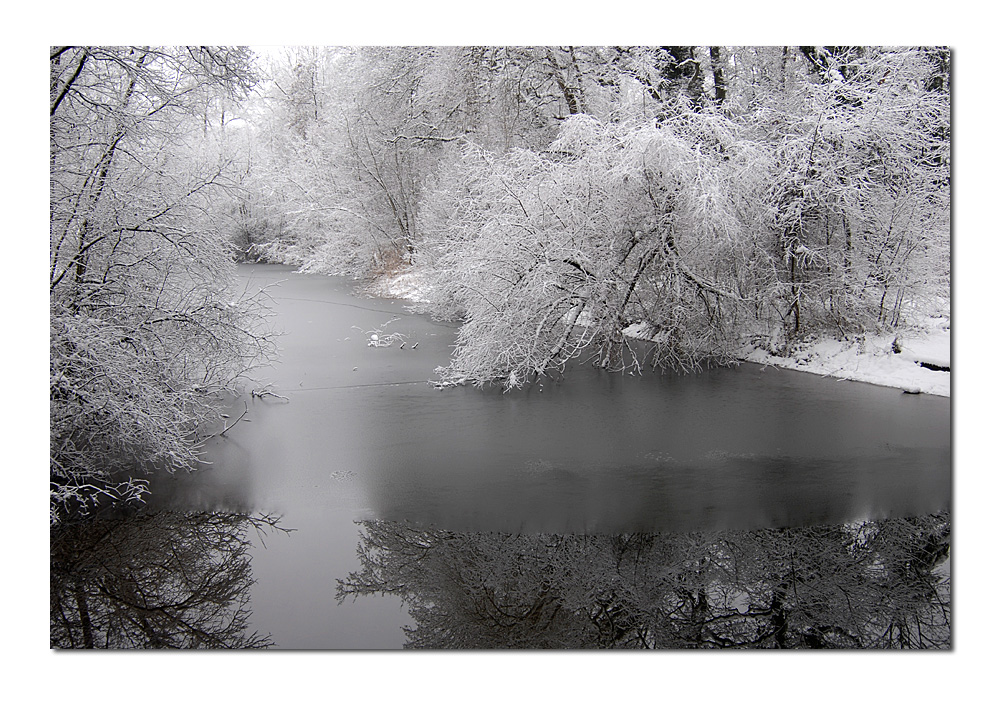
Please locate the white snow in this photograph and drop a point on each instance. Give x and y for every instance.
(409, 285)
(871, 360)
(935, 350)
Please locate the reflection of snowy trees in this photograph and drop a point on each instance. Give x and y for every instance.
(162, 580)
(878, 584)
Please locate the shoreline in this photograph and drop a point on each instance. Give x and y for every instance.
(871, 360)
(922, 365)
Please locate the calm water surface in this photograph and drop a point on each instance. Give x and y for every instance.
(364, 437)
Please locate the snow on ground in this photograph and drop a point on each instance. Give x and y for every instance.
(872, 360)
(409, 285)
(868, 359)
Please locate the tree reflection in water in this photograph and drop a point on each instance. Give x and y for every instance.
(877, 584)
(155, 580)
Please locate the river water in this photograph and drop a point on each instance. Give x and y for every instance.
(363, 437)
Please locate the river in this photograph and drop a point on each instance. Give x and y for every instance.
(363, 437)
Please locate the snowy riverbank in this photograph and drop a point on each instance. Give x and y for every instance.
(870, 359)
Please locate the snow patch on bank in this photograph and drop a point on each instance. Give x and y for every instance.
(866, 359)
(871, 359)
(409, 285)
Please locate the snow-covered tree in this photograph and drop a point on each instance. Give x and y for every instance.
(616, 226)
(570, 198)
(145, 322)
(859, 188)
(810, 201)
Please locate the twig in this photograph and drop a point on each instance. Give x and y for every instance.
(265, 392)
(230, 426)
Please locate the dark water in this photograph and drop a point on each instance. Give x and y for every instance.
(363, 437)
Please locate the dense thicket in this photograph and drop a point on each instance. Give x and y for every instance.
(569, 198)
(146, 326)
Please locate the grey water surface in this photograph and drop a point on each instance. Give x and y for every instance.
(364, 437)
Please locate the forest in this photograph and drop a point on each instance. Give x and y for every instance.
(558, 202)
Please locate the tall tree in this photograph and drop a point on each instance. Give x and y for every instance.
(718, 72)
(859, 187)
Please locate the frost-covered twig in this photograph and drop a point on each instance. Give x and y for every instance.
(233, 424)
(266, 392)
(86, 497)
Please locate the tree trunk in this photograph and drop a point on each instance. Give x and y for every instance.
(569, 83)
(718, 74)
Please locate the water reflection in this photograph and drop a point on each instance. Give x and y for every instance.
(877, 584)
(155, 580)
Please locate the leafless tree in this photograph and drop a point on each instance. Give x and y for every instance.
(147, 327)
